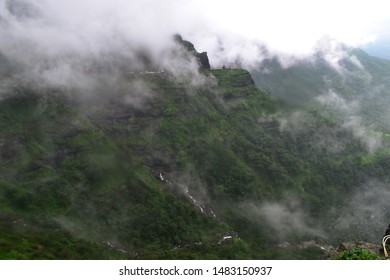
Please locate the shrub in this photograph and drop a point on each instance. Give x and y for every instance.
(358, 254)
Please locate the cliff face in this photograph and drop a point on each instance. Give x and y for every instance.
(202, 57)
(203, 60)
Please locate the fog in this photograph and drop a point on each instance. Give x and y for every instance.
(364, 215)
(352, 120)
(93, 44)
(42, 34)
(286, 218)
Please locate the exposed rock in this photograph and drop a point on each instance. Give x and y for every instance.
(375, 248)
(203, 60)
(227, 236)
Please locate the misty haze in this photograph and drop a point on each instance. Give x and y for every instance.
(193, 130)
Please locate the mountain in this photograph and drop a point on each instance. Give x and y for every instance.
(379, 48)
(348, 80)
(188, 162)
(351, 88)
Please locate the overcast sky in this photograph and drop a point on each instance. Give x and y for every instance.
(297, 25)
(223, 28)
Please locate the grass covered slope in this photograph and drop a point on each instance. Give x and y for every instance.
(89, 175)
(198, 165)
(60, 170)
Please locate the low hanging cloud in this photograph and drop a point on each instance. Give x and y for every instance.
(333, 100)
(365, 134)
(365, 214)
(285, 218)
(43, 35)
(66, 43)
(349, 112)
(295, 122)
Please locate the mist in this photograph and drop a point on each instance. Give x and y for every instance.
(286, 218)
(94, 44)
(77, 44)
(351, 119)
(55, 40)
(364, 216)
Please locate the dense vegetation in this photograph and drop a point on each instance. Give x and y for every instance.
(358, 254)
(360, 82)
(183, 172)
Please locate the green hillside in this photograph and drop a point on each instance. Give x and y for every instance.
(201, 166)
(357, 78)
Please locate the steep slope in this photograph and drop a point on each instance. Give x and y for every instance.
(195, 164)
(61, 172)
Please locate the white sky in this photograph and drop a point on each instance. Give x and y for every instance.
(296, 26)
(239, 26)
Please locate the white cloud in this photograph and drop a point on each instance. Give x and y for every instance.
(366, 135)
(364, 214)
(229, 31)
(333, 100)
(285, 218)
(294, 27)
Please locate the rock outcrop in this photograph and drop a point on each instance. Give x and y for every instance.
(374, 248)
(202, 58)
